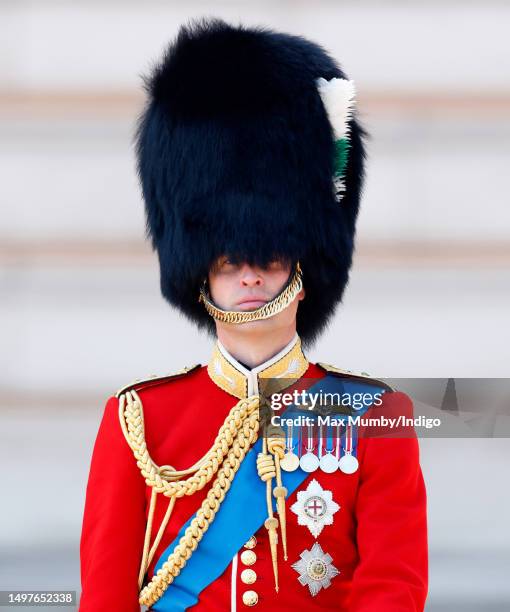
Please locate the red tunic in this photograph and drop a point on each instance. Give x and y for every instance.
(378, 539)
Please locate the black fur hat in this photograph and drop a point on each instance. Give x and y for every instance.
(235, 155)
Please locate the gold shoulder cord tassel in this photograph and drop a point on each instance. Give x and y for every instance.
(266, 470)
(268, 467)
(277, 447)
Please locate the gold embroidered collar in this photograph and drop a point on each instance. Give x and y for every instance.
(288, 365)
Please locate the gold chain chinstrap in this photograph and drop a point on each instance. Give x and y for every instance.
(276, 305)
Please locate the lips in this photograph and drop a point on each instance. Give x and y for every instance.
(251, 303)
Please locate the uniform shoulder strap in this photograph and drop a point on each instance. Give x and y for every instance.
(362, 377)
(154, 379)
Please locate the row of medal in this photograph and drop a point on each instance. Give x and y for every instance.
(326, 447)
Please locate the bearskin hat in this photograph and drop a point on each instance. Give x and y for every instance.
(235, 156)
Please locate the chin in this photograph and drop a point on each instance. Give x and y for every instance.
(281, 320)
(256, 326)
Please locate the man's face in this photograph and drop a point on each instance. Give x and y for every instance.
(242, 287)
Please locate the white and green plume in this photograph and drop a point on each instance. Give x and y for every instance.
(338, 97)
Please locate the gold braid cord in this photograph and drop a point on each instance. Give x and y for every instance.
(276, 305)
(237, 434)
(165, 479)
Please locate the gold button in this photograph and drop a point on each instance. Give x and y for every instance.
(250, 598)
(248, 557)
(251, 543)
(248, 576)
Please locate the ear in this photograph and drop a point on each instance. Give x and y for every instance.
(301, 295)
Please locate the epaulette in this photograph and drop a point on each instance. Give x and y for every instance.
(362, 377)
(154, 379)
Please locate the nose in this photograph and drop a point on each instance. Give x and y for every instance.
(250, 277)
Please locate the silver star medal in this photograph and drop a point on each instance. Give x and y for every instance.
(315, 508)
(315, 569)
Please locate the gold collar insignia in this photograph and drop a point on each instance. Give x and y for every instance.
(288, 365)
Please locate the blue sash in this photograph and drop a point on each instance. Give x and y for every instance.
(241, 514)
